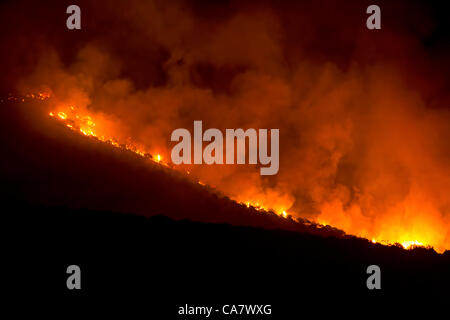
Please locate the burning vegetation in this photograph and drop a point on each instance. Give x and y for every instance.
(85, 124)
(363, 115)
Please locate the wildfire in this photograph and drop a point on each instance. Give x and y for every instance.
(78, 121)
(62, 115)
(86, 125)
(259, 207)
(409, 244)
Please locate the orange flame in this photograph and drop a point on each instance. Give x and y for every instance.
(86, 125)
(330, 213)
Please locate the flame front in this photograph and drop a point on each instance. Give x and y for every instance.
(363, 118)
(85, 124)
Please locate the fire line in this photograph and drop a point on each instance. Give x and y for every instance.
(85, 124)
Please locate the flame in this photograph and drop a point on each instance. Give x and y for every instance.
(62, 115)
(409, 244)
(331, 213)
(86, 125)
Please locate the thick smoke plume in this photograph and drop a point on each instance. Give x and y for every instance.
(363, 115)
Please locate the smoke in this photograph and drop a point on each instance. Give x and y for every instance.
(363, 115)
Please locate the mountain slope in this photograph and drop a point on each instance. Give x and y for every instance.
(141, 232)
(45, 163)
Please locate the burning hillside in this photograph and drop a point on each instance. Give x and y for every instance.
(363, 115)
(411, 235)
(82, 123)
(58, 164)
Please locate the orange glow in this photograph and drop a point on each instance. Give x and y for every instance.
(400, 224)
(62, 115)
(403, 224)
(409, 244)
(75, 120)
(364, 128)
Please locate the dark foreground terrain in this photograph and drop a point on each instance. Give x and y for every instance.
(158, 264)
